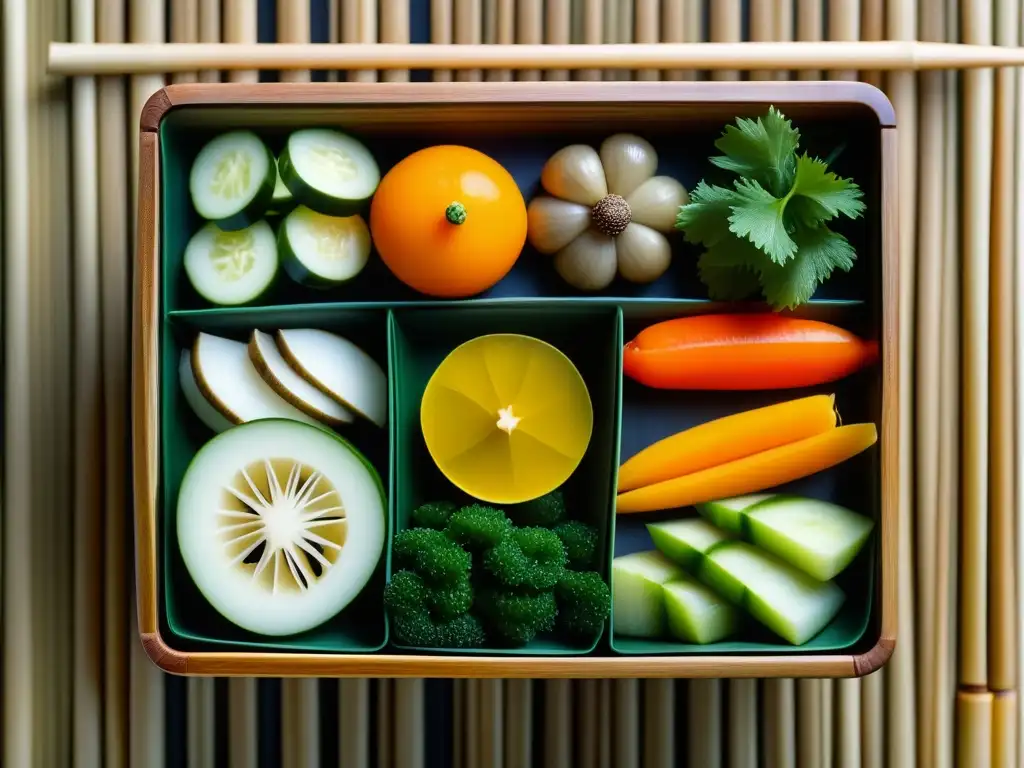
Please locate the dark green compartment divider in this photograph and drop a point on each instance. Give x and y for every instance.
(649, 415)
(189, 622)
(591, 336)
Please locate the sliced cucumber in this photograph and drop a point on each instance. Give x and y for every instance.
(329, 171)
(280, 525)
(790, 603)
(232, 180)
(200, 406)
(697, 614)
(818, 537)
(686, 541)
(321, 251)
(338, 368)
(231, 268)
(282, 201)
(288, 384)
(638, 602)
(230, 383)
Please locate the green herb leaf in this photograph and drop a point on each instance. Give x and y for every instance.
(705, 218)
(818, 195)
(762, 150)
(819, 252)
(727, 283)
(759, 218)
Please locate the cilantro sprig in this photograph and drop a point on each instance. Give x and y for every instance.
(769, 232)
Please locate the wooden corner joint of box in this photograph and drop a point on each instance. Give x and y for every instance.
(873, 660)
(165, 657)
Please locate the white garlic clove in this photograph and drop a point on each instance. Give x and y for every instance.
(588, 262)
(628, 161)
(656, 202)
(551, 223)
(574, 173)
(643, 254)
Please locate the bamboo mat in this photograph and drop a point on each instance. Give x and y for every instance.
(79, 691)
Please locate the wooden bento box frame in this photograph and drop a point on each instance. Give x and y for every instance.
(542, 101)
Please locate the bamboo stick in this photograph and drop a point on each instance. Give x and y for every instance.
(593, 32)
(783, 29)
(872, 28)
(184, 29)
(504, 34)
(358, 25)
(762, 29)
(492, 748)
(895, 56)
(240, 26)
(625, 723)
(605, 750)
(809, 29)
(726, 27)
(872, 721)
(19, 696)
(557, 30)
(333, 31)
(588, 722)
(1004, 729)
(902, 90)
(87, 707)
(779, 703)
(468, 31)
(843, 24)
(409, 719)
(827, 723)
(114, 286)
(471, 722)
(518, 724)
(673, 30)
(440, 32)
(974, 729)
(705, 714)
(293, 27)
(809, 728)
(208, 32)
(385, 722)
(646, 30)
(354, 723)
(394, 28)
(848, 738)
(243, 748)
(1019, 379)
(931, 159)
(201, 738)
(622, 33)
(458, 716)
(659, 724)
(742, 723)
(529, 31)
(300, 723)
(557, 724)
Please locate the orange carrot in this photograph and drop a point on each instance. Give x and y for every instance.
(727, 439)
(744, 352)
(751, 474)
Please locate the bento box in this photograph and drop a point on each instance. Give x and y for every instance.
(572, 379)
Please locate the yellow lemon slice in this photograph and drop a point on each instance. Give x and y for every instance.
(506, 418)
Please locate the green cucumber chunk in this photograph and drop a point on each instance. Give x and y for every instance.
(232, 180)
(727, 514)
(686, 541)
(321, 251)
(329, 171)
(638, 601)
(231, 268)
(697, 614)
(787, 601)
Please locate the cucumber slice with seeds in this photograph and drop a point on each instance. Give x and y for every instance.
(329, 171)
(232, 268)
(321, 251)
(232, 180)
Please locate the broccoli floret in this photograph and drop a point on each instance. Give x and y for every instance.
(478, 527)
(580, 542)
(431, 617)
(431, 554)
(584, 602)
(516, 619)
(528, 557)
(434, 514)
(546, 511)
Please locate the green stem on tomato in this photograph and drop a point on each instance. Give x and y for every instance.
(455, 213)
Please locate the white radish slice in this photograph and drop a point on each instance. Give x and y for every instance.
(274, 370)
(280, 525)
(200, 406)
(338, 368)
(228, 380)
(638, 603)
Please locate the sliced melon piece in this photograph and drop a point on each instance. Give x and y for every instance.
(200, 406)
(818, 537)
(686, 541)
(786, 600)
(229, 381)
(280, 525)
(697, 614)
(275, 370)
(638, 603)
(338, 368)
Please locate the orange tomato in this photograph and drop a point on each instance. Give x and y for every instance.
(448, 221)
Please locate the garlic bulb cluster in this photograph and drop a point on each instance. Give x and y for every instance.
(605, 213)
